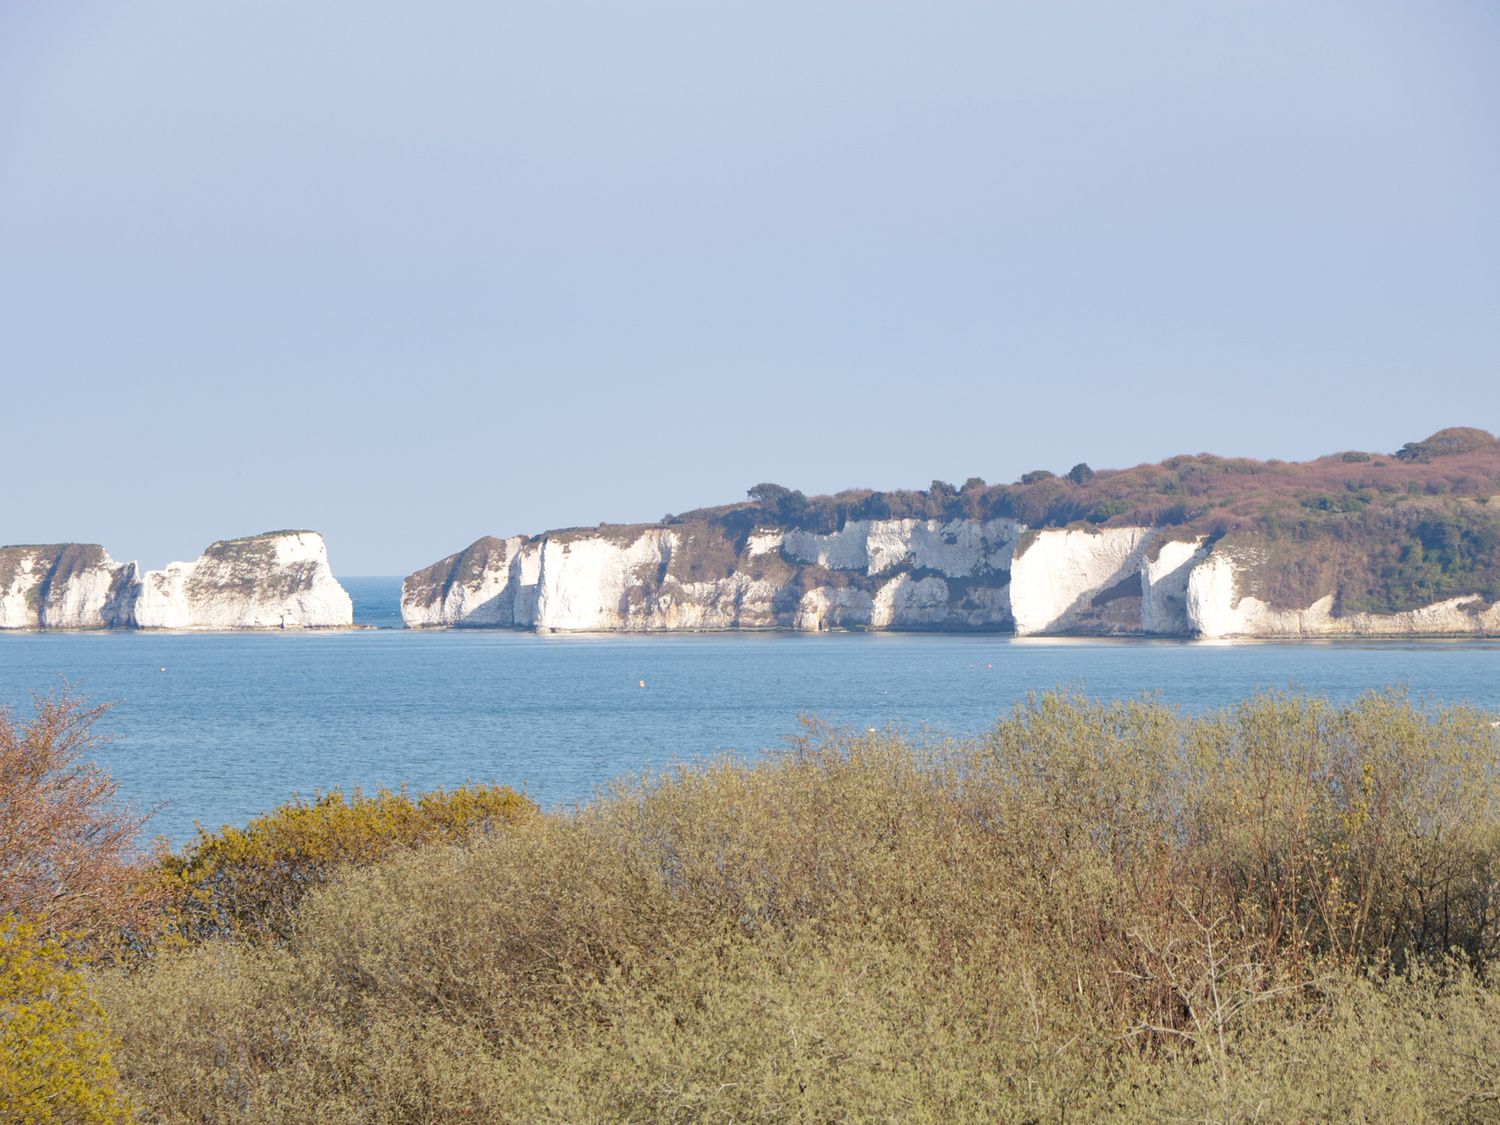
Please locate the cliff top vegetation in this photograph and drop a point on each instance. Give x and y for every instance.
(63, 559)
(1199, 493)
(252, 541)
(1382, 532)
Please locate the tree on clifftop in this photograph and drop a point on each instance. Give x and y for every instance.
(785, 505)
(1447, 443)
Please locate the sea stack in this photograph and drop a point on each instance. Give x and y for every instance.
(277, 580)
(64, 586)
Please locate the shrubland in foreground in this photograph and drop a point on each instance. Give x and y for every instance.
(1282, 912)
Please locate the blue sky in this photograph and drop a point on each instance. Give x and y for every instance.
(414, 273)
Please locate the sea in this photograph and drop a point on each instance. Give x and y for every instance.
(215, 728)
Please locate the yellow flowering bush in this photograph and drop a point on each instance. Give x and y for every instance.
(248, 881)
(55, 1061)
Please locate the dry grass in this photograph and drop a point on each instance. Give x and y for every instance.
(1282, 912)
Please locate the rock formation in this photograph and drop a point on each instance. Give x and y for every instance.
(279, 580)
(1074, 580)
(64, 586)
(1351, 544)
(907, 574)
(1219, 605)
(870, 574)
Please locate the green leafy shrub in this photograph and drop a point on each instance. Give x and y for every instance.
(1081, 473)
(779, 504)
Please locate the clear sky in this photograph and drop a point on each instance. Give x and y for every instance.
(411, 273)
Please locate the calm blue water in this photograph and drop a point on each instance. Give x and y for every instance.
(238, 721)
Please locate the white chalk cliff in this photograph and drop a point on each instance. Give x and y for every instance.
(884, 574)
(280, 580)
(870, 574)
(1219, 606)
(1165, 572)
(64, 586)
(1064, 578)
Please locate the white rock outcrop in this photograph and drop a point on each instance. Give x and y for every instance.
(586, 584)
(279, 580)
(64, 586)
(1217, 608)
(911, 602)
(1058, 576)
(955, 548)
(737, 601)
(1164, 587)
(834, 607)
(492, 583)
(578, 582)
(886, 574)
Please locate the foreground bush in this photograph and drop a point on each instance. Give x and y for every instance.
(248, 881)
(55, 1063)
(66, 842)
(1284, 911)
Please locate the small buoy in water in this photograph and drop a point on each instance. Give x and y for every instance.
(643, 683)
(989, 666)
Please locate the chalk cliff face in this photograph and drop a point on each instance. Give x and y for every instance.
(65, 586)
(1079, 581)
(280, 580)
(275, 581)
(1165, 572)
(1219, 606)
(492, 582)
(887, 574)
(1351, 543)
